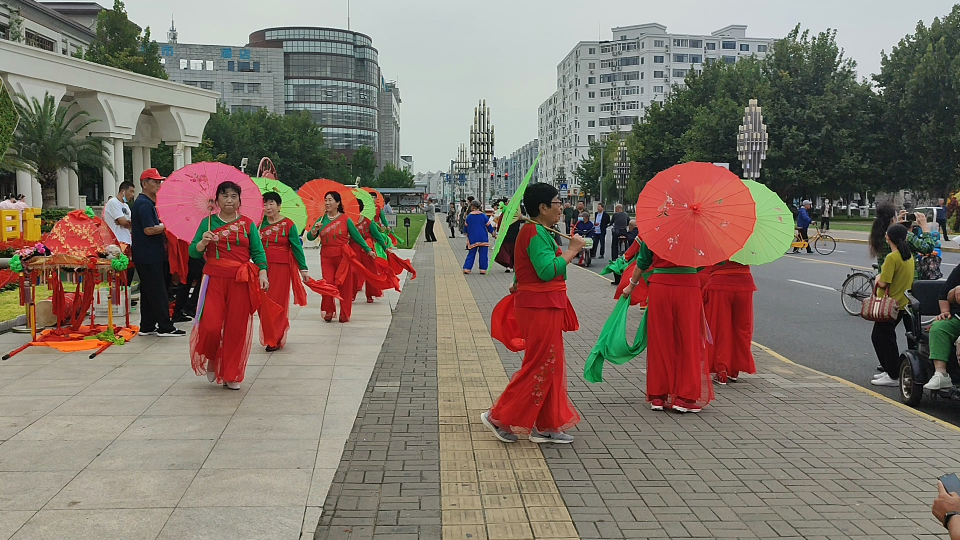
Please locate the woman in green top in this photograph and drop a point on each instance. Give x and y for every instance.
(235, 276)
(337, 261)
(896, 278)
(281, 241)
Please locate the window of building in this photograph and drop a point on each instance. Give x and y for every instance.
(244, 108)
(679, 73)
(256, 66)
(206, 85)
(591, 138)
(657, 59)
(642, 60)
(591, 123)
(591, 108)
(591, 80)
(606, 107)
(630, 61)
(623, 38)
(658, 89)
(711, 46)
(657, 74)
(244, 66)
(238, 87)
(253, 88)
(591, 95)
(592, 50)
(41, 42)
(696, 58)
(729, 45)
(208, 65)
(761, 48)
(681, 42)
(641, 89)
(196, 65)
(680, 58)
(696, 43)
(230, 66)
(729, 59)
(166, 50)
(184, 64)
(658, 43)
(593, 65)
(744, 47)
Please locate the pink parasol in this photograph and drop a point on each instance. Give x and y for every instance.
(188, 196)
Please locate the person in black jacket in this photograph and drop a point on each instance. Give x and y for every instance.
(601, 223)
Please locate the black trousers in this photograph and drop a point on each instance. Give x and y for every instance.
(825, 223)
(453, 230)
(431, 237)
(189, 294)
(884, 339)
(598, 241)
(943, 229)
(806, 238)
(615, 242)
(154, 304)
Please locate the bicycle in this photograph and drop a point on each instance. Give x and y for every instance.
(823, 243)
(856, 288)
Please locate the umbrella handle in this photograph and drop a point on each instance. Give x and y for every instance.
(554, 231)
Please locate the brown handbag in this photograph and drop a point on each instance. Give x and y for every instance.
(880, 308)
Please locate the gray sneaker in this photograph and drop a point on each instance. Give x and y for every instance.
(546, 437)
(504, 436)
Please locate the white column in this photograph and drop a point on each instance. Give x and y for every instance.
(187, 155)
(63, 188)
(109, 186)
(117, 165)
(37, 201)
(25, 184)
(137, 153)
(145, 153)
(74, 189)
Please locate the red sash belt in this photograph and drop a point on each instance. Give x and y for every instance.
(243, 272)
(730, 270)
(543, 286)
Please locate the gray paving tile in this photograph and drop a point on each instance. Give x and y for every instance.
(225, 523)
(132, 524)
(93, 489)
(142, 455)
(248, 487)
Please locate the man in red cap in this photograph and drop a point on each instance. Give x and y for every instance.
(149, 253)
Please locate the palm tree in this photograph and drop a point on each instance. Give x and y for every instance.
(48, 139)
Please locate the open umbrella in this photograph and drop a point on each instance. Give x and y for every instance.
(512, 212)
(369, 204)
(292, 206)
(773, 233)
(314, 192)
(695, 214)
(189, 195)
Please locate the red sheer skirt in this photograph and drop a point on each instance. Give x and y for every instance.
(222, 333)
(730, 317)
(676, 337)
(280, 277)
(537, 394)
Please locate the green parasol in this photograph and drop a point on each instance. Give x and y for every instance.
(513, 208)
(369, 204)
(773, 232)
(292, 206)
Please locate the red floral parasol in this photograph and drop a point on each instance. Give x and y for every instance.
(189, 196)
(315, 191)
(695, 214)
(80, 235)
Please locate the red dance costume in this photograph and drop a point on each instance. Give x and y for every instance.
(728, 300)
(639, 294)
(676, 360)
(281, 242)
(371, 235)
(537, 394)
(339, 263)
(230, 295)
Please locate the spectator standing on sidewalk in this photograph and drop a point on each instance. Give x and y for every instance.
(149, 253)
(452, 220)
(430, 210)
(569, 216)
(896, 277)
(117, 212)
(600, 224)
(386, 205)
(941, 219)
(825, 214)
(620, 222)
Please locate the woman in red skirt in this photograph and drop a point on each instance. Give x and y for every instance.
(728, 300)
(535, 402)
(677, 372)
(285, 258)
(372, 238)
(337, 260)
(234, 275)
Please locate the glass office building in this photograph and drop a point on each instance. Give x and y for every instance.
(335, 75)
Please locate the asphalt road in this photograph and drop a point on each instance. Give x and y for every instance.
(798, 313)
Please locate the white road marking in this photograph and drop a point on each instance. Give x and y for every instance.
(813, 285)
(947, 264)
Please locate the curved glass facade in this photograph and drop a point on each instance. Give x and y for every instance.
(334, 74)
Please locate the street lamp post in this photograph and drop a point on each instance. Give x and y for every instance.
(752, 141)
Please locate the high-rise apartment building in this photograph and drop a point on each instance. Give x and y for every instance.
(604, 86)
(389, 114)
(511, 169)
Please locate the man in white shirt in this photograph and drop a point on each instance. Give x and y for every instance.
(386, 204)
(117, 213)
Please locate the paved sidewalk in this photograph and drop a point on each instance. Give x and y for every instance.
(134, 445)
(788, 453)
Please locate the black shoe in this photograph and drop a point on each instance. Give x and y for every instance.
(810, 252)
(176, 332)
(271, 349)
(181, 317)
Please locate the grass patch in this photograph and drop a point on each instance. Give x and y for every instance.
(10, 307)
(417, 221)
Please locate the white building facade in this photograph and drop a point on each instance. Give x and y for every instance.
(389, 113)
(604, 86)
(41, 26)
(511, 169)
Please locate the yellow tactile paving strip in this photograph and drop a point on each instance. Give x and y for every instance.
(489, 490)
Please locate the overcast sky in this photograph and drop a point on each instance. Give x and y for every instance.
(447, 54)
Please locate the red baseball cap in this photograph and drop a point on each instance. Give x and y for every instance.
(151, 174)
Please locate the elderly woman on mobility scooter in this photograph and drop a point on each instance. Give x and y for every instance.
(944, 332)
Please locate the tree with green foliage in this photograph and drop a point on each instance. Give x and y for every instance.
(392, 177)
(50, 138)
(364, 165)
(120, 44)
(919, 82)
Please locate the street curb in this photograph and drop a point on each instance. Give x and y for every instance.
(859, 241)
(856, 386)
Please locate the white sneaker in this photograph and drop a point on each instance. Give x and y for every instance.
(211, 376)
(878, 375)
(939, 381)
(546, 437)
(233, 385)
(884, 380)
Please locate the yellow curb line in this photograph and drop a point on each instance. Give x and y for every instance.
(855, 386)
